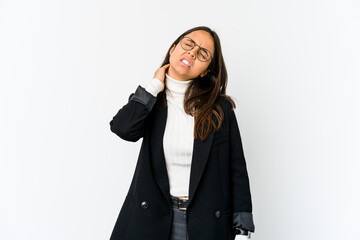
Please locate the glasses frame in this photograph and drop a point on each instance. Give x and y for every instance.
(195, 44)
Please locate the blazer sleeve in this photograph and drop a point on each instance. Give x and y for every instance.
(130, 121)
(241, 195)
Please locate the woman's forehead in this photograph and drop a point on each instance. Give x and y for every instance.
(204, 39)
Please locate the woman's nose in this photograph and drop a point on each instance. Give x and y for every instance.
(193, 52)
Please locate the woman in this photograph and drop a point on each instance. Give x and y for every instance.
(190, 180)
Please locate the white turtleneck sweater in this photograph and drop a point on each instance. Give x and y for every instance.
(178, 136)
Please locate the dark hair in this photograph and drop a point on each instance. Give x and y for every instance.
(203, 93)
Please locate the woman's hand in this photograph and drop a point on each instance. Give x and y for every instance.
(160, 73)
(242, 237)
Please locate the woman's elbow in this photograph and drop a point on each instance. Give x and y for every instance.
(125, 134)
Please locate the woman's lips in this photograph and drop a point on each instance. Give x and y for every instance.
(184, 64)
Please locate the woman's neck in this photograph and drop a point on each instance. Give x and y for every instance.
(175, 87)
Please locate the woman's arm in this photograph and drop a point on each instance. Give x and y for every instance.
(129, 122)
(242, 205)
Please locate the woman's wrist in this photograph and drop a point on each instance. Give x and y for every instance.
(242, 232)
(154, 86)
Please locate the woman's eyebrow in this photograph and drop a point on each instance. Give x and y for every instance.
(199, 45)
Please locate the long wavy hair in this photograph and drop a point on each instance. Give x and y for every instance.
(203, 94)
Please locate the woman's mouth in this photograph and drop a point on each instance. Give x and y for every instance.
(185, 63)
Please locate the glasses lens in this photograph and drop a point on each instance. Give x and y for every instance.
(187, 45)
(203, 55)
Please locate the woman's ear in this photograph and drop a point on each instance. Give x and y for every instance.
(172, 49)
(204, 73)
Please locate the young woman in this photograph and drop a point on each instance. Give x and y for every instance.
(191, 180)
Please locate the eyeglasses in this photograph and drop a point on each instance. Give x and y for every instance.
(187, 44)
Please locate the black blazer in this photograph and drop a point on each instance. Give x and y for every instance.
(219, 191)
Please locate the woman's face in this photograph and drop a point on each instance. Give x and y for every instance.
(181, 71)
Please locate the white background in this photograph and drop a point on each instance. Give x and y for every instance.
(67, 67)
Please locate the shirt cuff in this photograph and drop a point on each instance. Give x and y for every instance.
(154, 86)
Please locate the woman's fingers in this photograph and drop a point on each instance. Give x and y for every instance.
(160, 73)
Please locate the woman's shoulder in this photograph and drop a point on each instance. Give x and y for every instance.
(226, 103)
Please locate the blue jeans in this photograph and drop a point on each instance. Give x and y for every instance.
(178, 229)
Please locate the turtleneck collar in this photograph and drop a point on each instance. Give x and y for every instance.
(176, 87)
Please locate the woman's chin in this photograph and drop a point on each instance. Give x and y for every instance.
(184, 70)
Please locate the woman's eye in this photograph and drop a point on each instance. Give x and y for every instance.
(204, 54)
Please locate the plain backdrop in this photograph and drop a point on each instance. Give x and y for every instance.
(67, 67)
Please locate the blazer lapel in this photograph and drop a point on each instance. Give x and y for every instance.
(200, 155)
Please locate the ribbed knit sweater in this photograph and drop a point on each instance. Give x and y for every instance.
(178, 136)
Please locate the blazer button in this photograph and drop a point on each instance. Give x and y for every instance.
(144, 205)
(217, 213)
